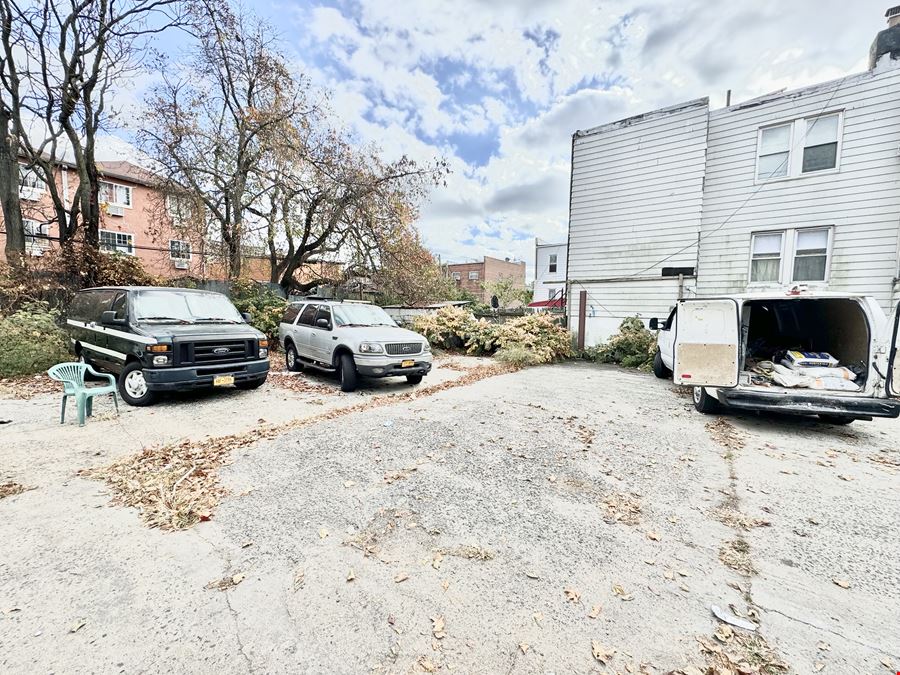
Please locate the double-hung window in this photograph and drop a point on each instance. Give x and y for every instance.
(796, 255)
(115, 194)
(36, 236)
(117, 242)
(810, 255)
(473, 276)
(31, 186)
(798, 148)
(765, 257)
(552, 266)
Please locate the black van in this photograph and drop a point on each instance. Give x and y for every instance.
(166, 339)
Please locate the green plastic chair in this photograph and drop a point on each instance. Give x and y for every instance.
(72, 377)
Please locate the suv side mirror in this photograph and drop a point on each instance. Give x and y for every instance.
(653, 324)
(247, 316)
(108, 318)
(323, 323)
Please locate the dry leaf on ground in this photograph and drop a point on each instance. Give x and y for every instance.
(437, 627)
(603, 654)
(595, 611)
(572, 595)
(843, 583)
(403, 576)
(10, 489)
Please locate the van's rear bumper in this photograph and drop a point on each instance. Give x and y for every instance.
(806, 404)
(179, 379)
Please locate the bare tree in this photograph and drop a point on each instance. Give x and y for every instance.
(59, 65)
(209, 125)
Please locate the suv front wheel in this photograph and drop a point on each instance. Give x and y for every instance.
(133, 387)
(291, 360)
(348, 372)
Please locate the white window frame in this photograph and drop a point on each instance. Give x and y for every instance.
(33, 190)
(473, 275)
(186, 244)
(552, 263)
(40, 241)
(788, 253)
(113, 186)
(796, 146)
(118, 248)
(456, 276)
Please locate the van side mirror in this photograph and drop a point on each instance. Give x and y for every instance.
(108, 318)
(653, 324)
(323, 323)
(247, 316)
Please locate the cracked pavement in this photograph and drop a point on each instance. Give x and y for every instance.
(480, 506)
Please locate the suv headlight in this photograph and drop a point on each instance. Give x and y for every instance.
(370, 348)
(426, 347)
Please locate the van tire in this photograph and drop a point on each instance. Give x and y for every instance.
(291, 359)
(836, 419)
(659, 368)
(130, 389)
(347, 371)
(414, 379)
(705, 403)
(250, 384)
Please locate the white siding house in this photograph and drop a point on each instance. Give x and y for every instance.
(798, 187)
(830, 228)
(637, 190)
(549, 271)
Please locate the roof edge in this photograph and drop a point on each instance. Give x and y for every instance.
(651, 114)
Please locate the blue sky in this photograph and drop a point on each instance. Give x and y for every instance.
(497, 87)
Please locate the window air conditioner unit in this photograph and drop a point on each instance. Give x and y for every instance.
(115, 210)
(181, 264)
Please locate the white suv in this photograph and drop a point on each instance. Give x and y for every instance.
(352, 339)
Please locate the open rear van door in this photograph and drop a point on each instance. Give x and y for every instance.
(707, 339)
(893, 374)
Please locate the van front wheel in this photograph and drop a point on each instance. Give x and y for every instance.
(133, 387)
(705, 403)
(659, 368)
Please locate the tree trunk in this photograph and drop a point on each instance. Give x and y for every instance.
(9, 193)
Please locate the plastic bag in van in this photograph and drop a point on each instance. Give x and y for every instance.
(798, 358)
(833, 384)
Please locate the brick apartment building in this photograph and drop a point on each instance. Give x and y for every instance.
(137, 220)
(471, 277)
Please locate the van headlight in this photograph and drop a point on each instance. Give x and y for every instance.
(263, 348)
(370, 348)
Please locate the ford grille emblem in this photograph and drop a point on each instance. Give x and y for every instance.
(221, 350)
(406, 348)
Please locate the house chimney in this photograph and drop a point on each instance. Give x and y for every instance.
(888, 40)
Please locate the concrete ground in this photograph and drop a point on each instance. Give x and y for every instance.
(567, 518)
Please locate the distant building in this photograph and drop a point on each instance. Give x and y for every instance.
(794, 187)
(549, 274)
(471, 277)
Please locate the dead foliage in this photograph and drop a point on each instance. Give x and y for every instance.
(682, 392)
(736, 555)
(622, 508)
(26, 387)
(725, 434)
(176, 486)
(298, 383)
(468, 552)
(377, 531)
(11, 489)
(737, 520)
(736, 652)
(226, 582)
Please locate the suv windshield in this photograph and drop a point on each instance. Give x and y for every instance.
(184, 307)
(361, 315)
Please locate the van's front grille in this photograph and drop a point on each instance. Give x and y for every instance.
(209, 352)
(403, 348)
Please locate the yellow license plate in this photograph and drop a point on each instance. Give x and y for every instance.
(407, 363)
(223, 380)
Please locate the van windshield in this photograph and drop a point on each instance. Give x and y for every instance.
(184, 307)
(361, 315)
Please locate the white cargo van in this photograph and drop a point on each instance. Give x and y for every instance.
(721, 347)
